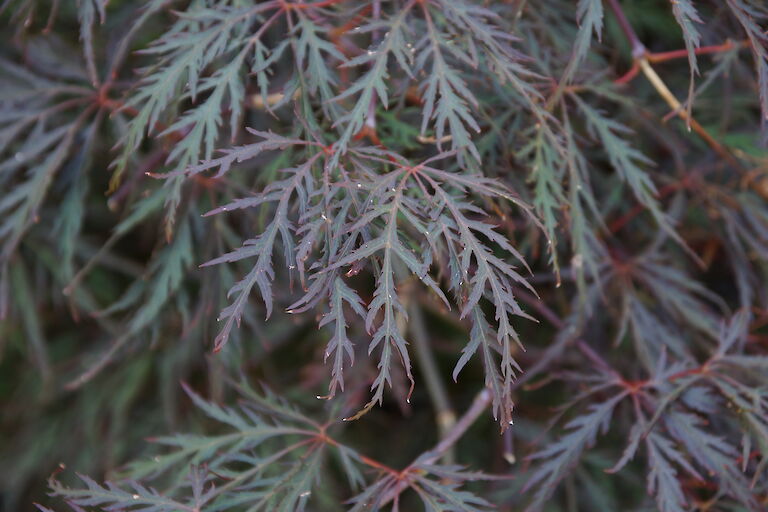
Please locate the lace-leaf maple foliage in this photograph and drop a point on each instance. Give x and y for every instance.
(583, 222)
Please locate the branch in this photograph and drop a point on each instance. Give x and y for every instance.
(678, 54)
(444, 414)
(677, 107)
(703, 50)
(640, 55)
(479, 404)
(558, 323)
(638, 48)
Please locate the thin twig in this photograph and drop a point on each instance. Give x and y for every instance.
(558, 323)
(702, 50)
(677, 107)
(640, 56)
(638, 48)
(479, 404)
(444, 414)
(677, 54)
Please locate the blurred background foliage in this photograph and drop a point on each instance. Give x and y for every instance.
(96, 267)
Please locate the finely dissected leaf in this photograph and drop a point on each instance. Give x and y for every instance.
(749, 13)
(559, 458)
(662, 479)
(227, 481)
(340, 343)
(680, 295)
(373, 82)
(587, 250)
(168, 269)
(167, 274)
(492, 277)
(87, 12)
(628, 162)
(20, 207)
(201, 36)
(498, 380)
(227, 471)
(653, 334)
(686, 16)
(447, 99)
(36, 146)
(713, 453)
(547, 168)
(187, 51)
(445, 496)
(313, 53)
(624, 158)
(32, 327)
(134, 497)
(480, 25)
(262, 248)
(372, 497)
(385, 298)
(590, 17)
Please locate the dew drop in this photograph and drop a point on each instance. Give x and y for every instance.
(19, 157)
(136, 496)
(359, 185)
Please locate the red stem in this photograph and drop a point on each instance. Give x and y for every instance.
(704, 50)
(677, 54)
(622, 221)
(638, 49)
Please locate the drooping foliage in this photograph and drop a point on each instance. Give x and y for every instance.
(390, 206)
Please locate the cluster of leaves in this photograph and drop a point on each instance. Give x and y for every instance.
(244, 467)
(345, 171)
